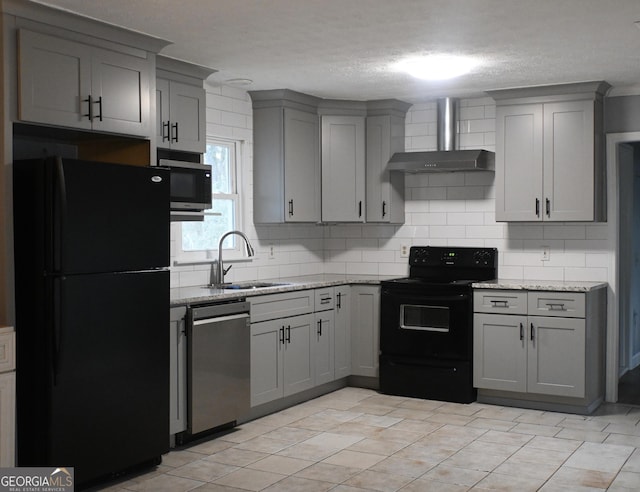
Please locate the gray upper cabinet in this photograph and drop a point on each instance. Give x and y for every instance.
(343, 168)
(286, 170)
(549, 153)
(71, 84)
(385, 136)
(181, 105)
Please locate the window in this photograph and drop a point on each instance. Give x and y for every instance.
(225, 214)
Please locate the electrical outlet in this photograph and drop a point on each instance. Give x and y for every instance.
(404, 251)
(272, 253)
(546, 253)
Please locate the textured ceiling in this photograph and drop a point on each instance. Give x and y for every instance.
(343, 48)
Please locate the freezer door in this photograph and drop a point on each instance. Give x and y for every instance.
(106, 217)
(110, 373)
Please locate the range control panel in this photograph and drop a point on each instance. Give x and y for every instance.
(453, 256)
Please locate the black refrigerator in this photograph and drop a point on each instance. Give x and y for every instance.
(92, 315)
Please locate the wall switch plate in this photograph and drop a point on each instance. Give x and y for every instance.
(546, 253)
(272, 253)
(404, 251)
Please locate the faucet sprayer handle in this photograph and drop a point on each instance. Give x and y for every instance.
(225, 270)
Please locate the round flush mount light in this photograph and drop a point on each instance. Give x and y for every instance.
(437, 67)
(239, 82)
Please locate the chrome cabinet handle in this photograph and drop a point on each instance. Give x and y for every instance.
(291, 208)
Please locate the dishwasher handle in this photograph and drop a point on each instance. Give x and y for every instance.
(217, 310)
(218, 319)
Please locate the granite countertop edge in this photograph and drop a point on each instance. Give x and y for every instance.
(181, 296)
(544, 285)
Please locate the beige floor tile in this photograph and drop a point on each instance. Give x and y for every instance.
(426, 485)
(386, 400)
(623, 440)
(417, 426)
(600, 457)
(492, 424)
(325, 472)
(398, 435)
(282, 465)
(428, 452)
(582, 435)
(449, 418)
(499, 413)
(552, 444)
(236, 457)
(541, 418)
(372, 409)
(248, 479)
(625, 481)
(210, 447)
(584, 424)
(203, 470)
(541, 471)
(626, 429)
(296, 484)
(459, 408)
(383, 482)
(633, 463)
(528, 454)
(502, 437)
(331, 440)
(377, 420)
(178, 458)
(246, 432)
(474, 461)
(496, 449)
(506, 483)
(418, 404)
(353, 459)
(536, 429)
(454, 475)
(356, 429)
(567, 475)
(412, 468)
(263, 444)
(310, 452)
(376, 446)
(454, 436)
(409, 413)
(214, 487)
(293, 435)
(166, 483)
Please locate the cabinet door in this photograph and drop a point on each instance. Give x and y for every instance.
(54, 80)
(163, 123)
(569, 161)
(384, 190)
(267, 370)
(342, 332)
(301, 170)
(343, 168)
(187, 110)
(120, 93)
(177, 371)
(7, 419)
(365, 330)
(519, 141)
(324, 354)
(556, 356)
(298, 353)
(500, 352)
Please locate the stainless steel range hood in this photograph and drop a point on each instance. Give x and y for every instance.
(446, 158)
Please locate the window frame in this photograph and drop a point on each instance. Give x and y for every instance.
(237, 252)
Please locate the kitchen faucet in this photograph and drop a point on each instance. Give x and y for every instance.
(217, 268)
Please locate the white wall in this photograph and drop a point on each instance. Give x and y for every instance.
(441, 209)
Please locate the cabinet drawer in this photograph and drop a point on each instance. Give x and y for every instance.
(500, 301)
(325, 299)
(563, 304)
(7, 351)
(273, 306)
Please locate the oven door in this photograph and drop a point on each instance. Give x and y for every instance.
(426, 322)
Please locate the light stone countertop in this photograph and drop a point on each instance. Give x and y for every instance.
(180, 296)
(546, 285)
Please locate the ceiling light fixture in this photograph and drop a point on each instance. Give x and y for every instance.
(437, 67)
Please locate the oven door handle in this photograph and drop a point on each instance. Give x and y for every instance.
(431, 301)
(424, 328)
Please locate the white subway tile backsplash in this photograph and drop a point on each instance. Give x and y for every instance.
(442, 209)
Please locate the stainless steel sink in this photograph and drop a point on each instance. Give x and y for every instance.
(246, 285)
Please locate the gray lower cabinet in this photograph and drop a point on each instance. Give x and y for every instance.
(85, 87)
(342, 331)
(365, 330)
(177, 370)
(549, 349)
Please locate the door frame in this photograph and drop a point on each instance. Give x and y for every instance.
(613, 140)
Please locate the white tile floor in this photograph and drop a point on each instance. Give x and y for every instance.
(356, 439)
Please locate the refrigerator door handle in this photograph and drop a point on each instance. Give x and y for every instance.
(59, 217)
(56, 328)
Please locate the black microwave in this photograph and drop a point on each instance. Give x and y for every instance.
(190, 188)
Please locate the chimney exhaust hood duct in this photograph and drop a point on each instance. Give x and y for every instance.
(446, 158)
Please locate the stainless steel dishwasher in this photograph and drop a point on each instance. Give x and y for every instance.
(218, 365)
